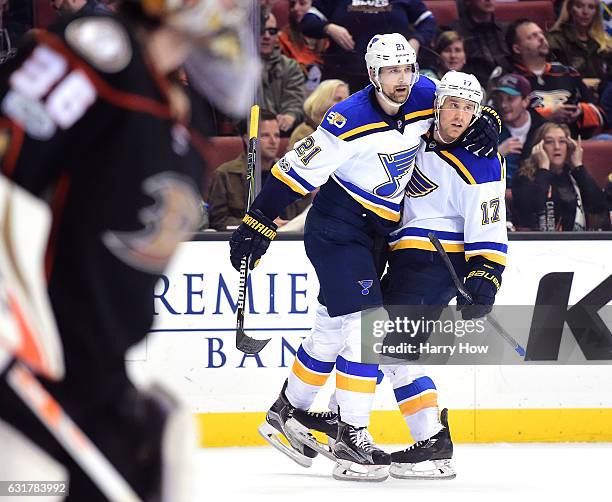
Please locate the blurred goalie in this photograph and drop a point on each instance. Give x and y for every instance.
(96, 153)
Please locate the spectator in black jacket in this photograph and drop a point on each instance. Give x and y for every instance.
(484, 37)
(552, 190)
(350, 26)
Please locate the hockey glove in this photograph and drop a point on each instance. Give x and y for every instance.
(482, 137)
(251, 238)
(482, 282)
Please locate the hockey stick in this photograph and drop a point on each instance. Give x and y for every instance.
(464, 292)
(245, 343)
(69, 435)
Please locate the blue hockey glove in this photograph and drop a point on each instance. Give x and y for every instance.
(251, 238)
(482, 282)
(482, 137)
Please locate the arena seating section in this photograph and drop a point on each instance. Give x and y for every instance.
(597, 154)
(445, 11)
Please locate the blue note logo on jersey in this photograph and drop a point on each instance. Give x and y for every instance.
(419, 184)
(366, 285)
(397, 165)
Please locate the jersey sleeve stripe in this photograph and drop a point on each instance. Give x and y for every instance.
(363, 129)
(290, 182)
(457, 163)
(496, 246)
(496, 258)
(292, 173)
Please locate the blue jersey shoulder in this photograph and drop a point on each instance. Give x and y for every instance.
(420, 102)
(352, 114)
(476, 170)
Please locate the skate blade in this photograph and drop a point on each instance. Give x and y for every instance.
(441, 469)
(303, 435)
(272, 436)
(345, 470)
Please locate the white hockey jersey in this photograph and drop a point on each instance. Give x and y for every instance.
(461, 197)
(367, 153)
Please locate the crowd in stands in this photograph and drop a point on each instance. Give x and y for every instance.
(545, 65)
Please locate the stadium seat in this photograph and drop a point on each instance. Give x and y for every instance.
(597, 155)
(220, 149)
(281, 11)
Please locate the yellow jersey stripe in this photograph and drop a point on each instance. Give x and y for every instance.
(502, 163)
(307, 376)
(419, 113)
(460, 165)
(413, 406)
(489, 256)
(280, 175)
(425, 246)
(347, 383)
(363, 128)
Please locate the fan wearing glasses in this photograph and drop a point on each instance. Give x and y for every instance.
(282, 89)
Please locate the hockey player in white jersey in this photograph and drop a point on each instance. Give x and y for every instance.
(460, 198)
(362, 156)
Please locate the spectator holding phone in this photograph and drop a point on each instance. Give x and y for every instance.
(564, 97)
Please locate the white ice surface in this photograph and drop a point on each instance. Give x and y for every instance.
(485, 473)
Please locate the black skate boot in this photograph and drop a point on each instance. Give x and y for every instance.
(325, 422)
(280, 422)
(427, 459)
(357, 457)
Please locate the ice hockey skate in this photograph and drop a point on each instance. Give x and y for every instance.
(321, 421)
(357, 457)
(427, 459)
(280, 423)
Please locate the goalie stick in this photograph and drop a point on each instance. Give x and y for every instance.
(464, 292)
(244, 342)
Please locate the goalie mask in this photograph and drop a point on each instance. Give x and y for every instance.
(391, 49)
(458, 85)
(224, 62)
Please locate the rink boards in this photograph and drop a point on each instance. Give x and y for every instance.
(191, 348)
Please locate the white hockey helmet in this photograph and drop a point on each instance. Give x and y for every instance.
(390, 49)
(459, 85)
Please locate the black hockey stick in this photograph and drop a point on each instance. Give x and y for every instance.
(244, 342)
(464, 292)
